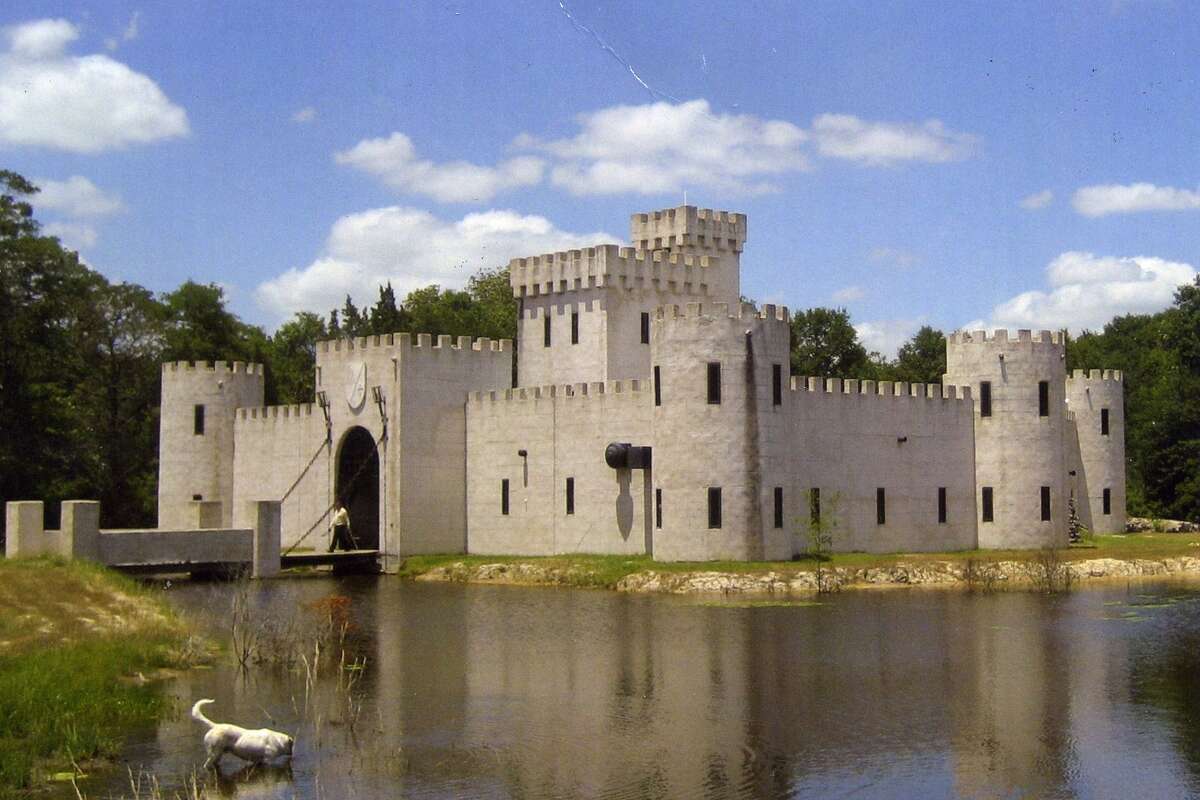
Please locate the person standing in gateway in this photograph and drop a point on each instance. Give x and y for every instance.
(340, 527)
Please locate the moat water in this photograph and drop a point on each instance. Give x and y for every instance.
(505, 692)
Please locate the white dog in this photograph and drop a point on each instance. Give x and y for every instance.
(257, 746)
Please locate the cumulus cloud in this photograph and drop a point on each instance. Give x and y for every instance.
(81, 104)
(663, 147)
(394, 161)
(1097, 201)
(886, 335)
(73, 235)
(849, 294)
(1037, 200)
(131, 32)
(847, 137)
(306, 114)
(411, 248)
(76, 197)
(1086, 291)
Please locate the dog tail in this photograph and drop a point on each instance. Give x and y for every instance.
(198, 715)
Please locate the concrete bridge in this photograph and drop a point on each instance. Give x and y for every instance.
(155, 550)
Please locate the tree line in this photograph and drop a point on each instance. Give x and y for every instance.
(80, 366)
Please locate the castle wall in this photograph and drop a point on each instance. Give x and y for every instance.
(194, 466)
(562, 361)
(1017, 451)
(563, 431)
(1101, 463)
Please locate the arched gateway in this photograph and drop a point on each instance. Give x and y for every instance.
(358, 485)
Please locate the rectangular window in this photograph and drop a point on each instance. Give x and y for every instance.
(714, 506)
(657, 387)
(985, 398)
(546, 329)
(714, 383)
(1045, 503)
(941, 505)
(574, 327)
(504, 497)
(198, 420)
(987, 504)
(570, 495)
(778, 506)
(645, 327)
(658, 508)
(880, 507)
(1107, 501)
(777, 384)
(814, 506)
(1043, 398)
(1104, 422)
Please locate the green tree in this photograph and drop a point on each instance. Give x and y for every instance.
(384, 316)
(497, 307)
(824, 343)
(922, 359)
(293, 357)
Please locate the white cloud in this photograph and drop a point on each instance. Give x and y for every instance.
(885, 143)
(886, 335)
(76, 197)
(661, 148)
(849, 294)
(394, 161)
(1086, 291)
(82, 104)
(1097, 201)
(131, 32)
(73, 235)
(306, 114)
(893, 257)
(1037, 200)
(411, 248)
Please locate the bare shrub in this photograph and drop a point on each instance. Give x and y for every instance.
(1051, 572)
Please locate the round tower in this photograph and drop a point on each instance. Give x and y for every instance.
(195, 439)
(1097, 402)
(712, 373)
(1020, 424)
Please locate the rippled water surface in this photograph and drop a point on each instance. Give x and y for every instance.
(504, 692)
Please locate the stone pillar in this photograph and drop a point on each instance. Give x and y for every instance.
(266, 515)
(81, 529)
(206, 513)
(23, 522)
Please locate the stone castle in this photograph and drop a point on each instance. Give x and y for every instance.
(650, 412)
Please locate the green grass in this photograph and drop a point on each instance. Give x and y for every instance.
(75, 642)
(605, 571)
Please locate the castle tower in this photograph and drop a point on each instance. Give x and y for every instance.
(712, 376)
(1020, 428)
(195, 440)
(1097, 401)
(585, 314)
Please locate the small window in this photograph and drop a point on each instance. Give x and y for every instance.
(1045, 504)
(985, 398)
(1104, 422)
(778, 506)
(880, 506)
(1107, 502)
(657, 387)
(1043, 398)
(201, 497)
(570, 495)
(814, 506)
(714, 506)
(504, 497)
(574, 327)
(777, 384)
(546, 329)
(658, 508)
(645, 327)
(987, 504)
(941, 505)
(714, 383)
(198, 420)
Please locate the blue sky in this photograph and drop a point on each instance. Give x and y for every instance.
(968, 164)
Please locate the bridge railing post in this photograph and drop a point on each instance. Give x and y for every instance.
(267, 516)
(81, 529)
(23, 525)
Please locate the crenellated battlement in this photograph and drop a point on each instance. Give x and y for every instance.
(610, 265)
(298, 411)
(689, 229)
(236, 368)
(564, 308)
(422, 341)
(1096, 375)
(851, 386)
(1004, 337)
(566, 390)
(740, 312)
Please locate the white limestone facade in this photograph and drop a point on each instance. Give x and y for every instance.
(719, 452)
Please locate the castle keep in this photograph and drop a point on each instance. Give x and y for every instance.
(652, 412)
